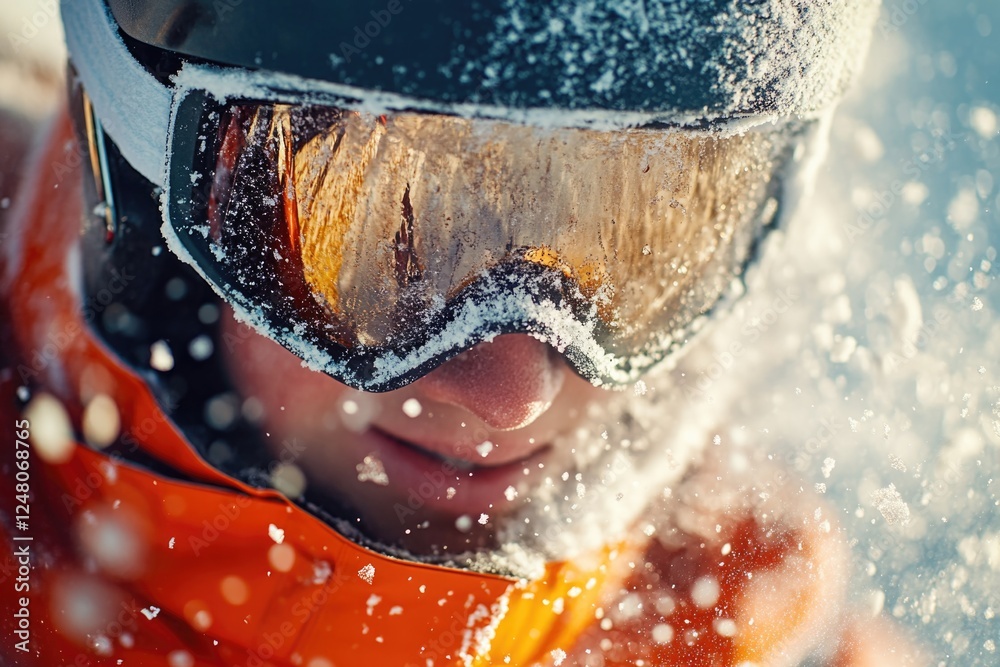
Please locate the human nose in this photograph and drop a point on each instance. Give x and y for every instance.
(507, 383)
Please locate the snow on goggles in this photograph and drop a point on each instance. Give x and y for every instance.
(376, 236)
(376, 247)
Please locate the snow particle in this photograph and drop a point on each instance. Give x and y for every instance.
(201, 348)
(464, 523)
(180, 659)
(914, 193)
(964, 208)
(281, 557)
(234, 590)
(663, 633)
(705, 592)
(102, 645)
(222, 411)
(151, 612)
(289, 479)
(665, 605)
(367, 573)
(558, 655)
(412, 407)
(321, 572)
(724, 627)
(484, 519)
(868, 144)
(201, 620)
(630, 606)
(51, 433)
(484, 448)
(275, 533)
(828, 465)
(890, 505)
(984, 122)
(843, 349)
(160, 356)
(371, 470)
(101, 422)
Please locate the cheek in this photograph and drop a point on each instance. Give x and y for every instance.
(294, 398)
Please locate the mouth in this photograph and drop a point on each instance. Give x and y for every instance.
(453, 484)
(469, 454)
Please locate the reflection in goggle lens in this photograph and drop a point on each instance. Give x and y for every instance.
(364, 235)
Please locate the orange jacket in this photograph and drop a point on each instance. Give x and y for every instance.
(219, 573)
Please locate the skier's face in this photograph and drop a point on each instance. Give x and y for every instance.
(436, 465)
(377, 265)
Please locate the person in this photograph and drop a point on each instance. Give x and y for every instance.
(314, 317)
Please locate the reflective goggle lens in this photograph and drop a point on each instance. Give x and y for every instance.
(376, 247)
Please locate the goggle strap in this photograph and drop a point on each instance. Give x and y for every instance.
(134, 108)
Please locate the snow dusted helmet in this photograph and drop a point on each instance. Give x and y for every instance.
(378, 186)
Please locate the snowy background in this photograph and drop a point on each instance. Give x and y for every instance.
(878, 387)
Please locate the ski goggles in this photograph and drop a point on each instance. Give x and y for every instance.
(377, 236)
(376, 247)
